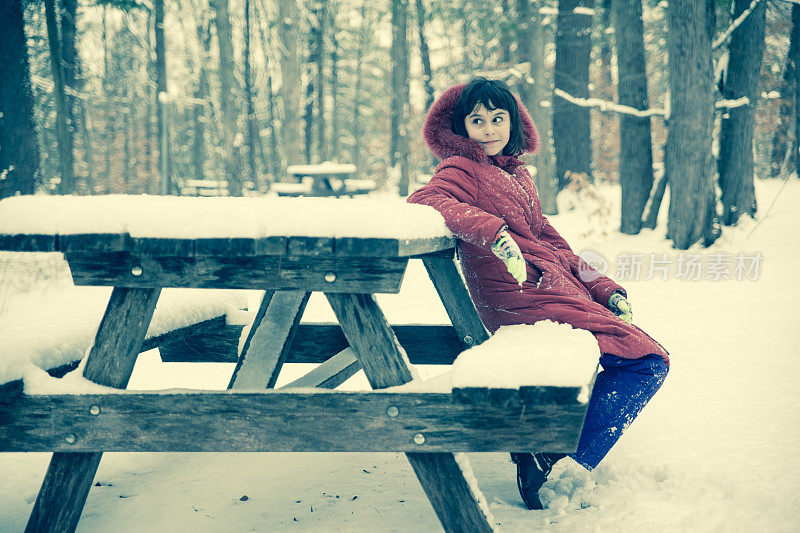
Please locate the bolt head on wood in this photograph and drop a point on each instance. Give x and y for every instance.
(94, 410)
(330, 277)
(70, 438)
(419, 439)
(392, 411)
(137, 270)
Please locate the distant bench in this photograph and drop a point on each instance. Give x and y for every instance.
(326, 179)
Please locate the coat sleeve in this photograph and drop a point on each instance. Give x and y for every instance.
(599, 286)
(454, 193)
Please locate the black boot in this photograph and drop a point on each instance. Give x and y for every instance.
(532, 472)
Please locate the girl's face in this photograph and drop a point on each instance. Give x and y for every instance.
(490, 128)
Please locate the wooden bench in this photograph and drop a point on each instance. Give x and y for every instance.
(428, 426)
(326, 179)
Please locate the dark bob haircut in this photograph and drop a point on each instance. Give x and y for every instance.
(493, 94)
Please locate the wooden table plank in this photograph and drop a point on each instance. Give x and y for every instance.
(110, 363)
(331, 274)
(331, 373)
(371, 338)
(294, 420)
(455, 297)
(262, 359)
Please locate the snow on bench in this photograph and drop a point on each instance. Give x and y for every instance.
(55, 326)
(545, 354)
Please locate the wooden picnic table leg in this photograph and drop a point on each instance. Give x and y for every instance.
(269, 340)
(376, 347)
(112, 357)
(455, 297)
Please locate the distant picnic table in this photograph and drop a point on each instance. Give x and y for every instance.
(140, 245)
(326, 179)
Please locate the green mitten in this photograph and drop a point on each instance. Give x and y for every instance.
(509, 253)
(620, 306)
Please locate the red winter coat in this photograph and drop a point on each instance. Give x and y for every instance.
(478, 195)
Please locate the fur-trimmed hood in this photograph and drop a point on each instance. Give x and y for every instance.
(444, 143)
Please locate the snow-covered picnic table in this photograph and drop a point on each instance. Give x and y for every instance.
(347, 249)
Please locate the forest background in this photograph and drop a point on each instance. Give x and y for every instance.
(695, 97)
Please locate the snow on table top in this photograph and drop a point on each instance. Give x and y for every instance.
(55, 331)
(542, 354)
(219, 217)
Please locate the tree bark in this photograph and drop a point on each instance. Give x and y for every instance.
(290, 88)
(63, 133)
(794, 51)
(356, 130)
(69, 12)
(321, 15)
(334, 141)
(227, 99)
(606, 48)
(201, 93)
(571, 123)
(167, 187)
(109, 93)
(275, 157)
(636, 154)
(19, 146)
(248, 95)
(780, 138)
(308, 117)
(400, 94)
(735, 161)
(531, 45)
(689, 162)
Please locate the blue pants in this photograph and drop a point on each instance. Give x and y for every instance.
(621, 391)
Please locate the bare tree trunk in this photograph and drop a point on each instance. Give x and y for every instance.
(636, 151)
(363, 31)
(309, 104)
(334, 148)
(505, 36)
(735, 161)
(464, 16)
(571, 123)
(68, 13)
(290, 89)
(321, 15)
(248, 95)
(425, 54)
(167, 187)
(126, 154)
(201, 93)
(400, 94)
(780, 137)
(794, 51)
(109, 93)
(150, 100)
(271, 114)
(531, 45)
(605, 42)
(63, 134)
(19, 147)
(227, 100)
(688, 158)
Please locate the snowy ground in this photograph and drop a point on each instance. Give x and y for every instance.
(718, 449)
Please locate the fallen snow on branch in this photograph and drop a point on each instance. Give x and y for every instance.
(605, 105)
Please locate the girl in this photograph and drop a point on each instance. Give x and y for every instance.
(519, 270)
